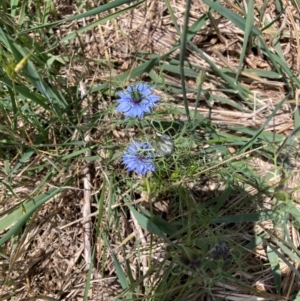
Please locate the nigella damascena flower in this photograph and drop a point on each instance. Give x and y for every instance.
(137, 100)
(221, 249)
(191, 258)
(138, 156)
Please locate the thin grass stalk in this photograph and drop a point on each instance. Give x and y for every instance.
(199, 81)
(182, 57)
(88, 279)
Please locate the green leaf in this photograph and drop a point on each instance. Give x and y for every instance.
(95, 11)
(233, 17)
(92, 25)
(18, 219)
(146, 223)
(246, 218)
(248, 30)
(274, 262)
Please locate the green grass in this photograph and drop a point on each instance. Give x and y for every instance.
(214, 195)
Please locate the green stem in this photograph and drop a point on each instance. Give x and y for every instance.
(182, 56)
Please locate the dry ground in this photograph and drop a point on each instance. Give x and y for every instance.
(48, 260)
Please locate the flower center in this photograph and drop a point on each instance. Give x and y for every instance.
(136, 96)
(141, 154)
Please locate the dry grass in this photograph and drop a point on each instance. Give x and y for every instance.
(48, 258)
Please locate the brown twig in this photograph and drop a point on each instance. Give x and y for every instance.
(86, 208)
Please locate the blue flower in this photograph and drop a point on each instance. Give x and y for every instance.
(138, 156)
(137, 100)
(222, 250)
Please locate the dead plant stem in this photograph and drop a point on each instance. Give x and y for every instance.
(86, 208)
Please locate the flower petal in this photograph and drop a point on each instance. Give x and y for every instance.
(131, 105)
(138, 157)
(124, 107)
